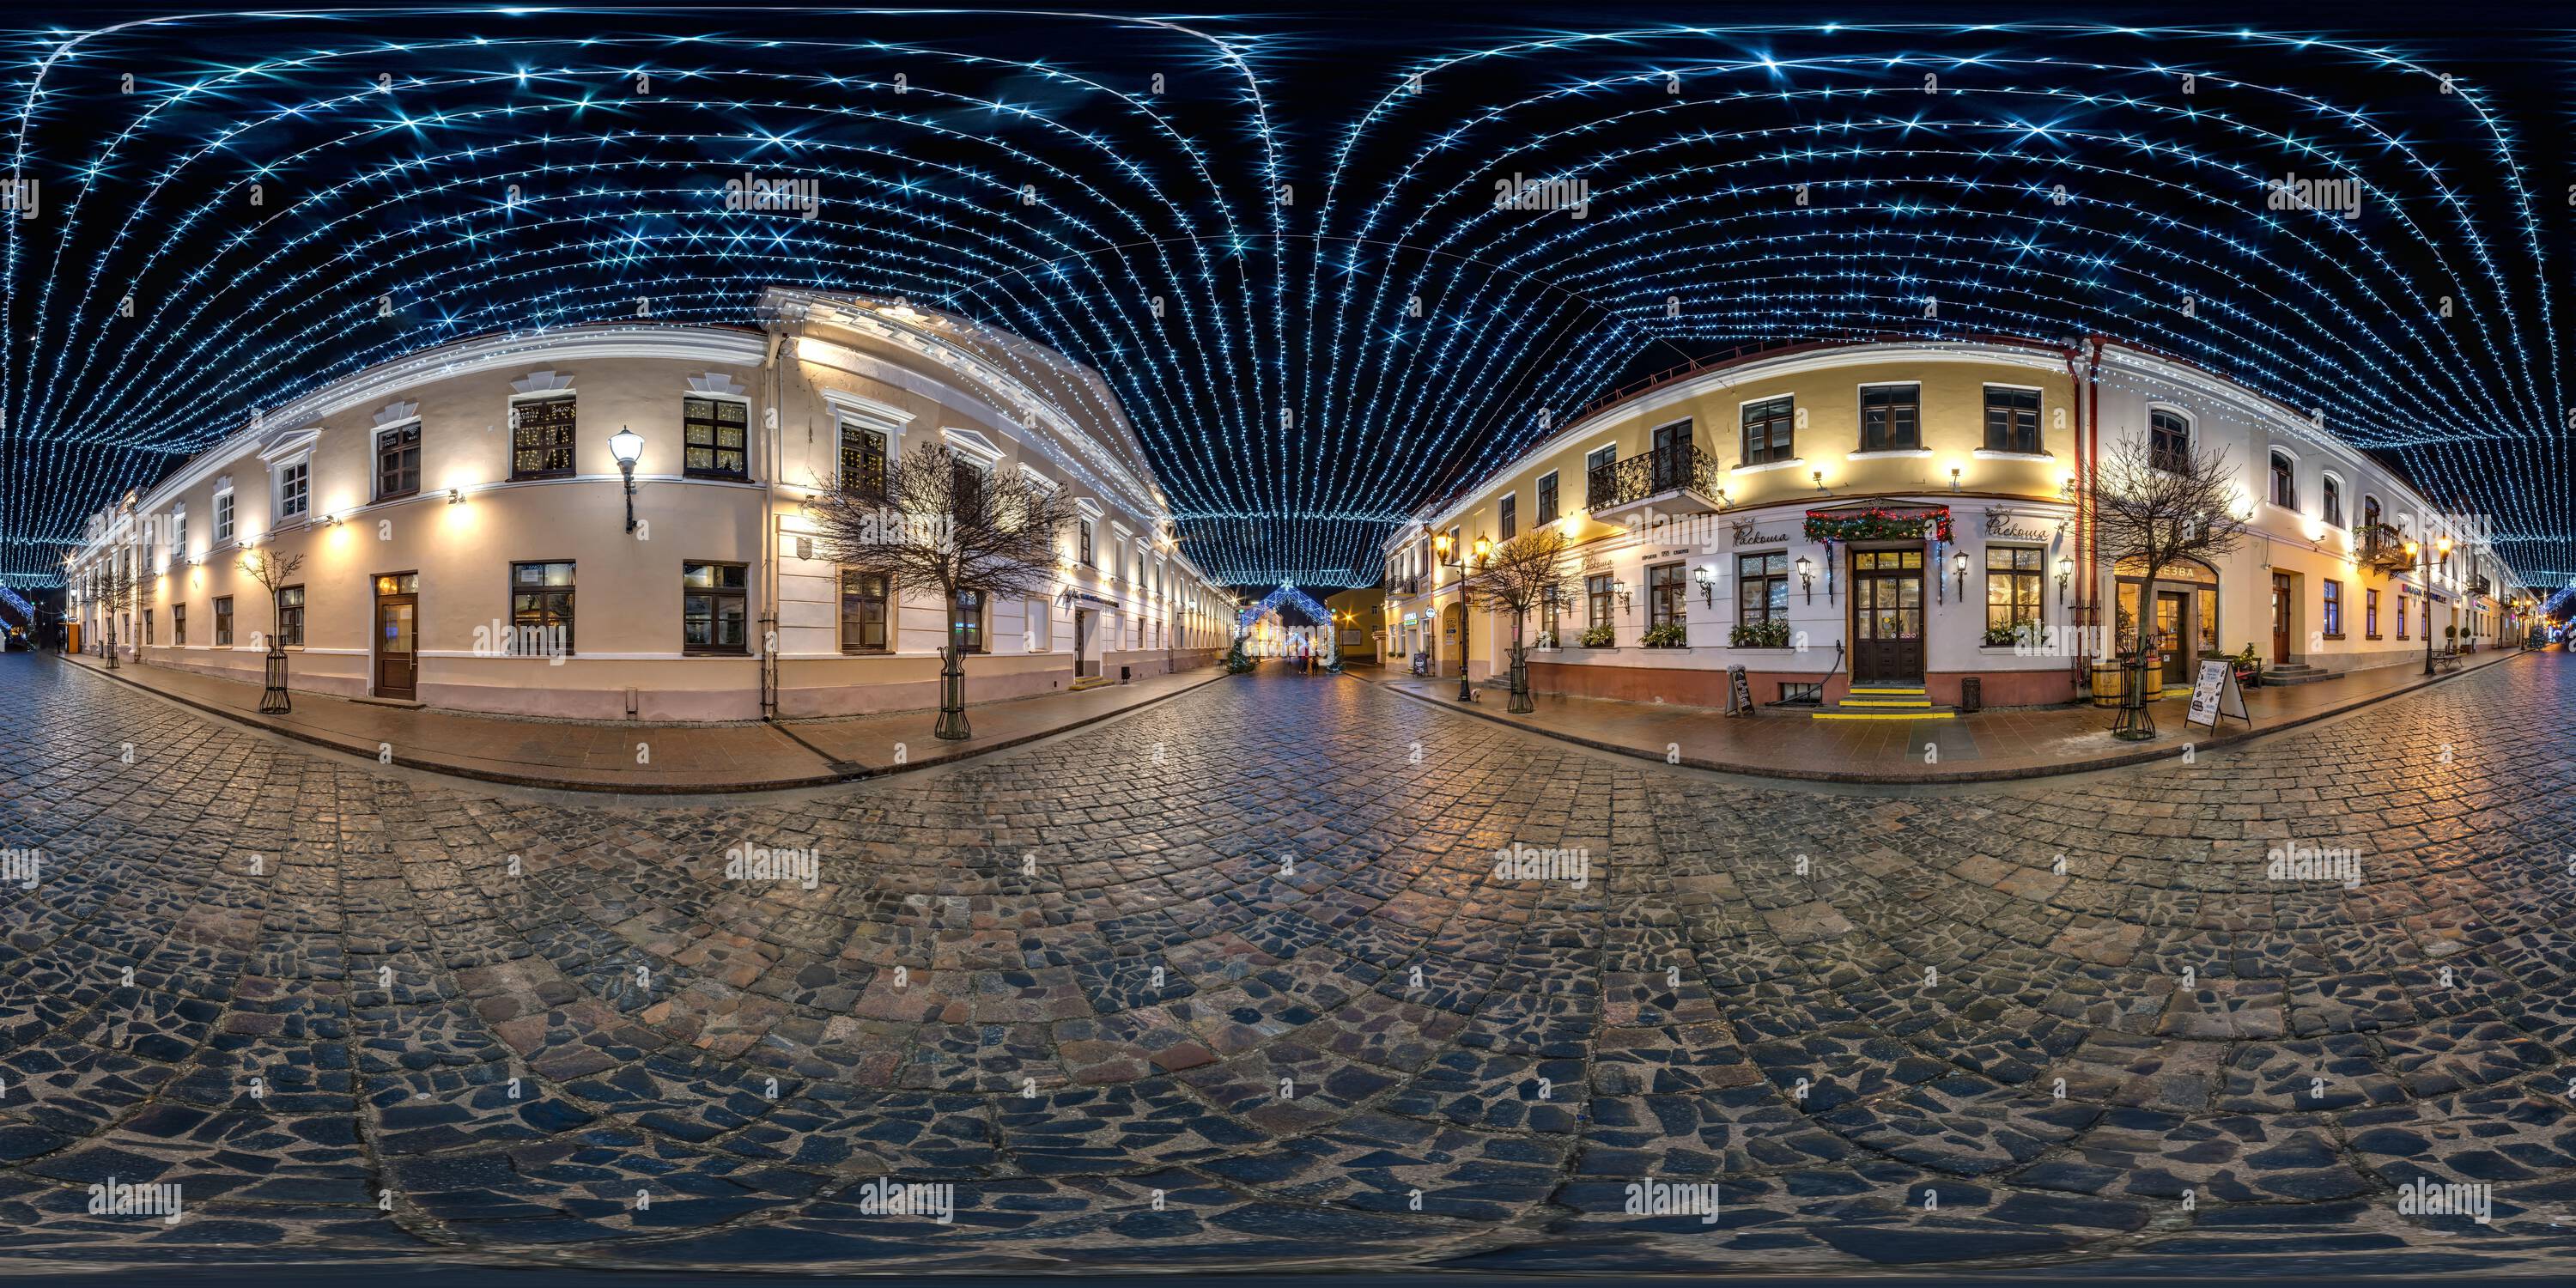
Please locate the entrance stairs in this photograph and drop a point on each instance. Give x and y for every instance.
(1883, 702)
(2296, 673)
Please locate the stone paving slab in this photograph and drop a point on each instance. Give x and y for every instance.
(569, 755)
(1238, 982)
(1987, 746)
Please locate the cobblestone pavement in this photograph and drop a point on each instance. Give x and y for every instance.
(1233, 982)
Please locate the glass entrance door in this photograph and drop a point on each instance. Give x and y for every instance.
(1887, 617)
(2171, 612)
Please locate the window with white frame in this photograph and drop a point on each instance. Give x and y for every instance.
(223, 516)
(294, 489)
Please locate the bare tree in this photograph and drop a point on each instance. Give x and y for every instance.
(938, 521)
(1518, 576)
(2157, 510)
(116, 593)
(271, 571)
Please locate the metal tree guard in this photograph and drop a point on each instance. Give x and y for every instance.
(272, 698)
(952, 695)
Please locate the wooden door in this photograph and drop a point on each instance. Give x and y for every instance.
(1083, 666)
(2172, 610)
(1670, 442)
(2280, 618)
(398, 636)
(1887, 617)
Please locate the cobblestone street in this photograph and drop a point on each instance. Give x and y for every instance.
(1233, 981)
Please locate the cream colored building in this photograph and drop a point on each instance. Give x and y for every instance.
(1717, 514)
(462, 526)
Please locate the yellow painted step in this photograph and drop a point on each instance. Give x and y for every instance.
(1880, 715)
(1887, 702)
(1917, 691)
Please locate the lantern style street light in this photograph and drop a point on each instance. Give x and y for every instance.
(628, 447)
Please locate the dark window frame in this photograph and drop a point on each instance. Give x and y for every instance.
(223, 621)
(544, 439)
(883, 598)
(716, 596)
(178, 625)
(1665, 584)
(1755, 581)
(714, 425)
(2018, 579)
(2330, 607)
(1592, 462)
(2330, 500)
(1889, 423)
(2285, 480)
(2007, 421)
(1777, 420)
(1545, 512)
(397, 476)
(1599, 606)
(864, 450)
(2168, 441)
(972, 635)
(284, 613)
(544, 614)
(2370, 612)
(1507, 517)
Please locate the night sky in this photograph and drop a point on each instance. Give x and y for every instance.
(1348, 326)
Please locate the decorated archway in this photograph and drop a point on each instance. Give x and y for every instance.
(1278, 621)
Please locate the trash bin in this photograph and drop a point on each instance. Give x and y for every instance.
(1972, 693)
(2106, 684)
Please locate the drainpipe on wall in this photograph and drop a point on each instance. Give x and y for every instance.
(2089, 519)
(768, 618)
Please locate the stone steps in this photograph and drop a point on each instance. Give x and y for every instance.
(2297, 673)
(1884, 702)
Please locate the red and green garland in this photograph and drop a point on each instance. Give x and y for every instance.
(1878, 523)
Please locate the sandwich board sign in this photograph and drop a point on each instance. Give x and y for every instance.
(2217, 695)
(1739, 693)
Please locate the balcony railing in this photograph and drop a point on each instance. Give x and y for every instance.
(2383, 548)
(2479, 585)
(1665, 469)
(1405, 586)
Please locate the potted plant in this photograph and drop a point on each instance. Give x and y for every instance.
(2248, 666)
(2012, 634)
(1599, 636)
(1773, 633)
(1668, 635)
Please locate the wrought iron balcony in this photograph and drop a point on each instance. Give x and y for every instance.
(2479, 585)
(1679, 468)
(1404, 586)
(2383, 548)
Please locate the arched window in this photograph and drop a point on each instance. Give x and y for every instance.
(2330, 494)
(2169, 441)
(2369, 512)
(2285, 485)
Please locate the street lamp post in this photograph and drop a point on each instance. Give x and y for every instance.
(1484, 551)
(627, 446)
(2414, 548)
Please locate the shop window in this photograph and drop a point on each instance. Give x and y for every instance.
(1598, 598)
(1664, 595)
(1762, 587)
(2370, 612)
(290, 616)
(2013, 575)
(966, 621)
(224, 621)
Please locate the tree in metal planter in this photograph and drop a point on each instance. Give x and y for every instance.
(271, 570)
(937, 520)
(116, 594)
(2156, 511)
(1517, 577)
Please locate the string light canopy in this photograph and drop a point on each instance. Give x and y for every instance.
(1284, 600)
(1328, 277)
